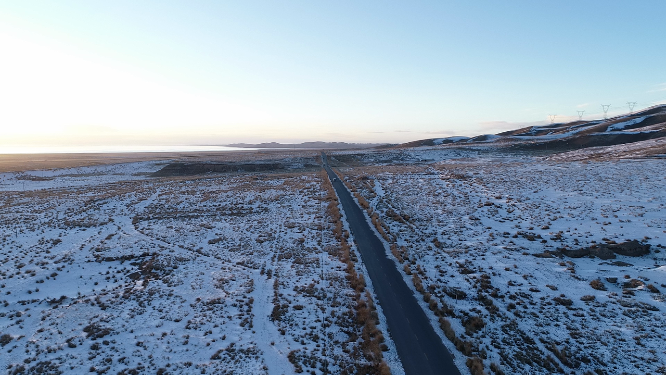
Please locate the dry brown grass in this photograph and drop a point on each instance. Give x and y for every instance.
(445, 324)
(473, 324)
(362, 201)
(396, 253)
(365, 311)
(27, 162)
(475, 365)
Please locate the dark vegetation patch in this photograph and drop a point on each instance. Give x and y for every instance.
(605, 251)
(590, 140)
(95, 331)
(345, 160)
(33, 178)
(192, 169)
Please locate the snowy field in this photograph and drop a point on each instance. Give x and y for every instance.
(44, 180)
(108, 270)
(519, 259)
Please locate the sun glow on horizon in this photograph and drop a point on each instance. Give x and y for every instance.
(54, 96)
(77, 73)
(15, 150)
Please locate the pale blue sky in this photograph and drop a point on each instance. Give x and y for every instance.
(364, 71)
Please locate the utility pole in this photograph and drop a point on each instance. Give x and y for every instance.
(552, 118)
(580, 115)
(631, 106)
(605, 108)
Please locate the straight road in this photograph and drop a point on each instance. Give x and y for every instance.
(420, 349)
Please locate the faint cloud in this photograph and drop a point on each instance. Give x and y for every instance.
(563, 118)
(582, 105)
(506, 125)
(494, 127)
(659, 87)
(394, 131)
(90, 129)
(495, 124)
(444, 132)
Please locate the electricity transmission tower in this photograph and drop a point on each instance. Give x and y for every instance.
(580, 115)
(631, 106)
(552, 118)
(605, 108)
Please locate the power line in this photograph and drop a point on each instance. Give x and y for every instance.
(552, 118)
(631, 106)
(580, 115)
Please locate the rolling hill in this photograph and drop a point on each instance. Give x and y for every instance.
(648, 124)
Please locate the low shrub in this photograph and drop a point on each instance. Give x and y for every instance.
(652, 288)
(597, 284)
(475, 365)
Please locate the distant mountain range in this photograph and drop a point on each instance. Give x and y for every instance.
(307, 145)
(648, 124)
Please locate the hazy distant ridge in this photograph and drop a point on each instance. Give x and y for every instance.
(310, 145)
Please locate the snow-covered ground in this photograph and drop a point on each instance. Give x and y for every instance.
(485, 238)
(621, 125)
(642, 149)
(77, 177)
(107, 270)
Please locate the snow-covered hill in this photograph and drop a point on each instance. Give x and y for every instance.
(648, 124)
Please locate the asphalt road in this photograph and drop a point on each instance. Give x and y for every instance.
(420, 349)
